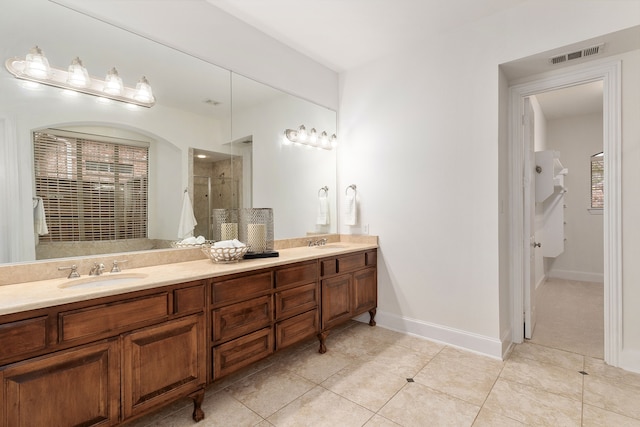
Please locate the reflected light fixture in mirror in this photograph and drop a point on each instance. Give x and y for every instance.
(35, 68)
(311, 139)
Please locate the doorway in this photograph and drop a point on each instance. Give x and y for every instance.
(520, 231)
(568, 268)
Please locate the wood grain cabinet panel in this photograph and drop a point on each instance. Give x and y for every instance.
(110, 319)
(297, 274)
(365, 290)
(79, 387)
(296, 300)
(236, 354)
(189, 300)
(22, 337)
(336, 300)
(162, 363)
(241, 288)
(235, 320)
(297, 328)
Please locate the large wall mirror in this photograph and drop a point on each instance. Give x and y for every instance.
(212, 132)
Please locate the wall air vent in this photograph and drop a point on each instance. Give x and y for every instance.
(589, 51)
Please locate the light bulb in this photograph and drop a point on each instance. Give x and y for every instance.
(313, 136)
(302, 133)
(334, 141)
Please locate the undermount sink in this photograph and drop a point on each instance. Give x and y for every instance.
(104, 280)
(330, 246)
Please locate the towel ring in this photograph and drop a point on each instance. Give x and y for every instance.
(352, 186)
(325, 189)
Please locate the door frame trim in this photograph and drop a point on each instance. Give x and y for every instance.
(610, 74)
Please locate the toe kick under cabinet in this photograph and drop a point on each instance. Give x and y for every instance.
(108, 360)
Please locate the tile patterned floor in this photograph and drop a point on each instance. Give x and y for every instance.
(362, 381)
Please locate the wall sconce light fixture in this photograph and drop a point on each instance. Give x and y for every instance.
(311, 138)
(35, 68)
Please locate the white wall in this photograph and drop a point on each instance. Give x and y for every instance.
(577, 139)
(421, 140)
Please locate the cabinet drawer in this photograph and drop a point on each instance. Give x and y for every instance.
(297, 328)
(351, 262)
(236, 354)
(241, 318)
(111, 319)
(297, 274)
(22, 337)
(241, 288)
(296, 300)
(188, 300)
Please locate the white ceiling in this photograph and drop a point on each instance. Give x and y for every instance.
(572, 101)
(343, 34)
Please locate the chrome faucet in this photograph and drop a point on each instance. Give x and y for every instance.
(96, 270)
(319, 242)
(116, 266)
(73, 274)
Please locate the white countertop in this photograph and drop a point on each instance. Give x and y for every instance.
(46, 293)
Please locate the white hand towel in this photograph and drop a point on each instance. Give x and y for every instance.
(187, 219)
(323, 210)
(39, 218)
(350, 208)
(235, 243)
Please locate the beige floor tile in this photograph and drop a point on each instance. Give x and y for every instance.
(533, 406)
(418, 405)
(314, 366)
(397, 359)
(419, 344)
(367, 384)
(598, 368)
(563, 323)
(597, 417)
(544, 376)
(488, 418)
(269, 390)
(319, 408)
(460, 378)
(379, 421)
(549, 355)
(220, 409)
(612, 395)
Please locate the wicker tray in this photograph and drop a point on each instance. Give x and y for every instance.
(224, 255)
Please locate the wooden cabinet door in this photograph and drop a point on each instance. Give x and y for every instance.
(336, 300)
(365, 291)
(79, 387)
(163, 362)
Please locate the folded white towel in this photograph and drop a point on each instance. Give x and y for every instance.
(323, 210)
(350, 208)
(39, 218)
(235, 243)
(187, 219)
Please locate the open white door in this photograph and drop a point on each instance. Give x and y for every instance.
(529, 219)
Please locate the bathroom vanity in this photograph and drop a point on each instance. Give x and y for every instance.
(103, 355)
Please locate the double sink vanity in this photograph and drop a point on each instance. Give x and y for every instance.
(107, 349)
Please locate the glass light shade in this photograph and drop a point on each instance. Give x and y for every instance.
(302, 133)
(78, 75)
(334, 140)
(143, 91)
(36, 64)
(324, 139)
(113, 83)
(313, 136)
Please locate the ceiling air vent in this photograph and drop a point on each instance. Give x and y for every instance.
(593, 50)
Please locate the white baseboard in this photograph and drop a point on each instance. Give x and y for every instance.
(580, 276)
(454, 337)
